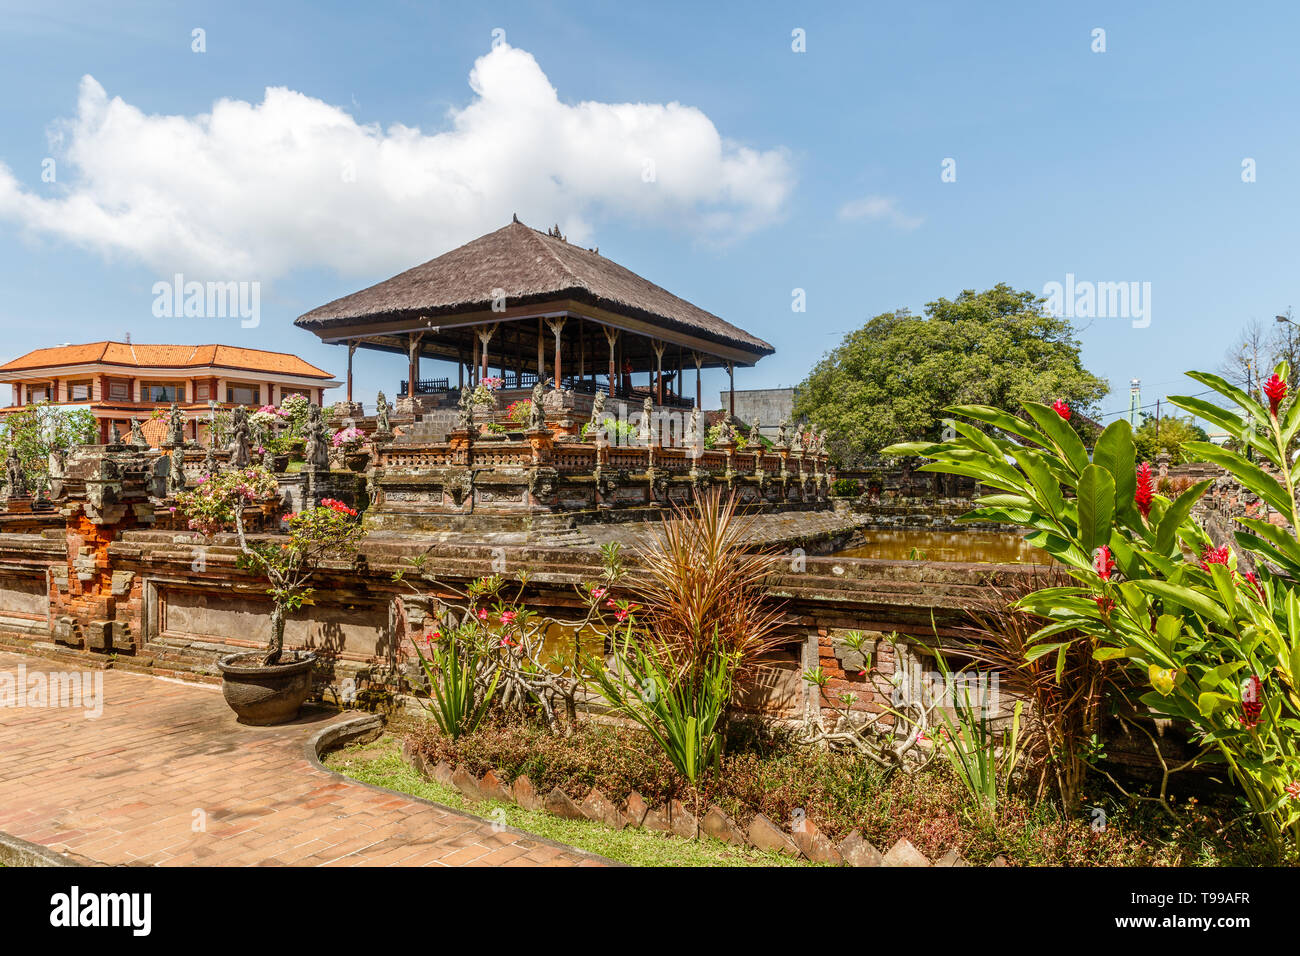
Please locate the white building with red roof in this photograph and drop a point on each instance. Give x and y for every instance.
(119, 381)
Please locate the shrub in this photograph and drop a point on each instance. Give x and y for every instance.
(1219, 650)
(846, 488)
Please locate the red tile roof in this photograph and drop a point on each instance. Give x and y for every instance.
(165, 356)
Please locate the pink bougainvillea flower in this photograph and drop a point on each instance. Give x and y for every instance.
(1215, 556)
(1275, 389)
(1103, 563)
(1061, 409)
(1145, 489)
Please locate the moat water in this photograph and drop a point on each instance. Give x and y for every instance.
(975, 547)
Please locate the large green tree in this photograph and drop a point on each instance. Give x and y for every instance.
(891, 379)
(1168, 435)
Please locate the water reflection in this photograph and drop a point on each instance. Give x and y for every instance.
(977, 547)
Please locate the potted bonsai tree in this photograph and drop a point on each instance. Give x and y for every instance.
(269, 687)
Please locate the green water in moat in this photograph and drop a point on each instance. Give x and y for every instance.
(976, 547)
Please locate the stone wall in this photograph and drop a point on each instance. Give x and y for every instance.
(109, 580)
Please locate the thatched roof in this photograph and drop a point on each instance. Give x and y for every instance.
(529, 267)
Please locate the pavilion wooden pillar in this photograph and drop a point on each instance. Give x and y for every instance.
(541, 348)
(659, 370)
(352, 350)
(413, 368)
(582, 350)
(731, 390)
(460, 368)
(611, 336)
(557, 327)
(485, 336)
(699, 395)
(473, 369)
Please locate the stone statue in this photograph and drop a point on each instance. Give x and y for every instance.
(210, 464)
(381, 414)
(693, 438)
(537, 407)
(644, 433)
(176, 473)
(755, 429)
(114, 435)
(239, 434)
(598, 409)
(175, 426)
(465, 420)
(15, 474)
(137, 435)
(318, 449)
(821, 442)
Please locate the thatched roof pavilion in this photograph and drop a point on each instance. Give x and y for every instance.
(529, 303)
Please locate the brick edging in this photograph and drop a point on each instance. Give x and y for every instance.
(368, 727)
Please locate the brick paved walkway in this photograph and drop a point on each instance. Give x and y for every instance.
(128, 786)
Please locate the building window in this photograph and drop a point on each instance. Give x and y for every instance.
(286, 391)
(120, 391)
(237, 394)
(162, 392)
(38, 393)
(79, 391)
(202, 391)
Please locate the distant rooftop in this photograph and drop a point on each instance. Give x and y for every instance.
(131, 355)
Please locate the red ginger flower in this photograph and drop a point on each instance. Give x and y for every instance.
(1104, 604)
(1145, 489)
(1061, 409)
(1275, 389)
(1103, 563)
(1293, 789)
(1215, 556)
(1251, 705)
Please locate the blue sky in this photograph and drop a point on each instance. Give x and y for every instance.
(1117, 166)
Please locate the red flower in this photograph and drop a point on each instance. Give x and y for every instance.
(1275, 389)
(507, 617)
(1145, 489)
(1104, 604)
(1254, 583)
(482, 614)
(1251, 705)
(1103, 563)
(597, 593)
(1061, 409)
(1215, 556)
(1293, 789)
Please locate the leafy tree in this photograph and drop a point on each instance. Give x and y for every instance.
(42, 428)
(890, 380)
(1167, 435)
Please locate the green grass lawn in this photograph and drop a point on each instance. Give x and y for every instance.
(380, 763)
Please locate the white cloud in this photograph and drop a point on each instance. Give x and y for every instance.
(880, 208)
(260, 189)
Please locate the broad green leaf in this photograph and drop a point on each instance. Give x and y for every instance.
(1116, 453)
(1186, 597)
(1096, 507)
(1177, 513)
(1065, 438)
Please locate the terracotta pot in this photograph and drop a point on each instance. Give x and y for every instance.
(356, 461)
(261, 695)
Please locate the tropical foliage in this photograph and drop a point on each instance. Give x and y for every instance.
(1214, 646)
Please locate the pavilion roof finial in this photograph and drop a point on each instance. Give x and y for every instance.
(515, 216)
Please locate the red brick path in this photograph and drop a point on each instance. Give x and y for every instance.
(128, 786)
